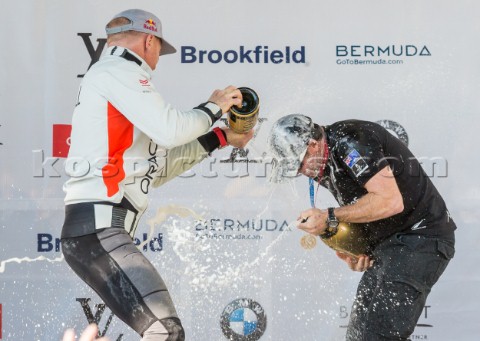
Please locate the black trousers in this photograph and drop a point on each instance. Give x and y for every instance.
(110, 263)
(392, 294)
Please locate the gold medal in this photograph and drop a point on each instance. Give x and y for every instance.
(308, 242)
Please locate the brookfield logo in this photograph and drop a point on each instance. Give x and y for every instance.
(244, 55)
(46, 242)
(382, 51)
(191, 54)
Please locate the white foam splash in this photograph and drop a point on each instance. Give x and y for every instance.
(187, 246)
(162, 214)
(27, 260)
(244, 269)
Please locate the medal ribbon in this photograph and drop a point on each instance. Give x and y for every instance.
(311, 181)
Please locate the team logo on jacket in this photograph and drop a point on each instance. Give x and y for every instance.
(355, 162)
(243, 320)
(144, 82)
(150, 25)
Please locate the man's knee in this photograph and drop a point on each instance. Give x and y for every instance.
(174, 328)
(169, 329)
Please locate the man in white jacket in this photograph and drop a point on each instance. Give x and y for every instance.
(125, 140)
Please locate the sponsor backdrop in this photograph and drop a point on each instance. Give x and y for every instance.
(220, 235)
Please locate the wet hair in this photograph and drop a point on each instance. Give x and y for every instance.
(317, 132)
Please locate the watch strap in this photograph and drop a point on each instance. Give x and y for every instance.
(331, 214)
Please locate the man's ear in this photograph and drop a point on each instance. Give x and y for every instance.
(149, 41)
(313, 144)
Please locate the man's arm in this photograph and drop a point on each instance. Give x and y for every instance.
(383, 200)
(146, 109)
(179, 160)
(182, 158)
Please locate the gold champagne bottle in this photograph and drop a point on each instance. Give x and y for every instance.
(242, 120)
(347, 238)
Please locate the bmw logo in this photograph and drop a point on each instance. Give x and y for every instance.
(243, 320)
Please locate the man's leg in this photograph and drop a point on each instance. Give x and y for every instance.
(407, 266)
(127, 282)
(361, 305)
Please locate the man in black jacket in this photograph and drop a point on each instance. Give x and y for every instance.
(382, 189)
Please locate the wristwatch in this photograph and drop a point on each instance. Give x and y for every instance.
(332, 224)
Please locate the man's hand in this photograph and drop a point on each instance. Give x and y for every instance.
(89, 334)
(313, 221)
(360, 263)
(227, 98)
(238, 140)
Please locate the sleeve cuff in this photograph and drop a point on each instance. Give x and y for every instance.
(212, 110)
(210, 141)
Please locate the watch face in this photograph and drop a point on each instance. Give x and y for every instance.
(330, 231)
(333, 223)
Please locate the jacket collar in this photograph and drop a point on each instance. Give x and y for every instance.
(130, 56)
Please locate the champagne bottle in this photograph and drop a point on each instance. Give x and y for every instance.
(242, 120)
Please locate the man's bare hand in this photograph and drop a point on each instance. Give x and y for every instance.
(89, 334)
(313, 221)
(236, 139)
(227, 98)
(360, 263)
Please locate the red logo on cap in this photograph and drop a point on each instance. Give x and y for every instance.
(150, 25)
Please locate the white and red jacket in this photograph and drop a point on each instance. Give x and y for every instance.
(121, 131)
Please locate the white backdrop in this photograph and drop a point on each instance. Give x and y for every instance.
(414, 63)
